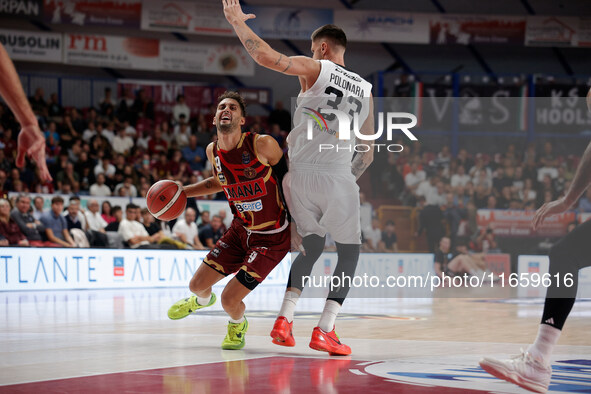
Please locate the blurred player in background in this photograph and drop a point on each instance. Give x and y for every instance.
(30, 139)
(531, 369)
(249, 168)
(321, 188)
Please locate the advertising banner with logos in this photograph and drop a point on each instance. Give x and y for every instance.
(199, 17)
(112, 51)
(121, 13)
(477, 29)
(514, 223)
(205, 58)
(32, 46)
(532, 264)
(30, 9)
(287, 23)
(383, 26)
(561, 105)
(551, 31)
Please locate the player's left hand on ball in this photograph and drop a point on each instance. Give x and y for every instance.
(32, 143)
(548, 209)
(233, 12)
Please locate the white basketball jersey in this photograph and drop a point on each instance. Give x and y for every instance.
(336, 88)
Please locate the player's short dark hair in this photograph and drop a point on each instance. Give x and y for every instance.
(333, 33)
(234, 96)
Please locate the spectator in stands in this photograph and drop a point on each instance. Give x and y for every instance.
(107, 104)
(204, 132)
(127, 186)
(117, 213)
(180, 108)
(212, 232)
(70, 176)
(38, 209)
(76, 227)
(442, 258)
(106, 210)
(194, 154)
(9, 229)
(454, 213)
(485, 242)
(491, 202)
(89, 133)
(93, 217)
(203, 220)
(388, 243)
(157, 144)
(56, 227)
(143, 107)
(372, 236)
(277, 134)
(122, 143)
(99, 189)
(185, 229)
(414, 178)
(505, 198)
(54, 107)
(134, 232)
(226, 221)
(182, 133)
(38, 103)
(459, 178)
(31, 227)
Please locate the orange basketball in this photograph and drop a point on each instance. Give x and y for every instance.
(166, 200)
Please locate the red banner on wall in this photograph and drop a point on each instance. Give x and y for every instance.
(122, 13)
(473, 29)
(508, 223)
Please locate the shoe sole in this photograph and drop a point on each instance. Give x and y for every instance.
(501, 373)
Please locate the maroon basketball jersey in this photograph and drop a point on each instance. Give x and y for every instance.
(249, 186)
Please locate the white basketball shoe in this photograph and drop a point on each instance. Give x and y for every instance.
(523, 370)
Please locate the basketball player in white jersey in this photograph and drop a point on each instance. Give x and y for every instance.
(320, 188)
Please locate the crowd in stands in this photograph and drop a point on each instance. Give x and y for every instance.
(120, 148)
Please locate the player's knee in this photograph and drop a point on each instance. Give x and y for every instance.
(229, 300)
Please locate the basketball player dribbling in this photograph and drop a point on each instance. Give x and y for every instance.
(531, 369)
(249, 169)
(320, 188)
(30, 140)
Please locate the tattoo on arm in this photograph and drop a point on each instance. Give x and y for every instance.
(208, 184)
(279, 60)
(288, 66)
(252, 45)
(360, 164)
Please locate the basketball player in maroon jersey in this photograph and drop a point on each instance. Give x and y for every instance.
(30, 140)
(249, 169)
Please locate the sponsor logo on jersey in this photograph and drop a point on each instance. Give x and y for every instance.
(251, 206)
(245, 190)
(221, 177)
(215, 252)
(250, 172)
(222, 244)
(245, 158)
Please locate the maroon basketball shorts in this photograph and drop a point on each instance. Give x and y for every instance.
(253, 255)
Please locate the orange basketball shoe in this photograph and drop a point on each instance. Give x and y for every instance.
(282, 332)
(328, 342)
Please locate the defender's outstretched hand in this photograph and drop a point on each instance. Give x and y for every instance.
(233, 12)
(31, 143)
(549, 209)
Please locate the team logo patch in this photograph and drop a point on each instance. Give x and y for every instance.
(250, 172)
(216, 252)
(221, 177)
(251, 206)
(245, 158)
(261, 249)
(252, 256)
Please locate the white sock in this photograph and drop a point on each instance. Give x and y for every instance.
(545, 342)
(329, 315)
(290, 300)
(238, 321)
(204, 300)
